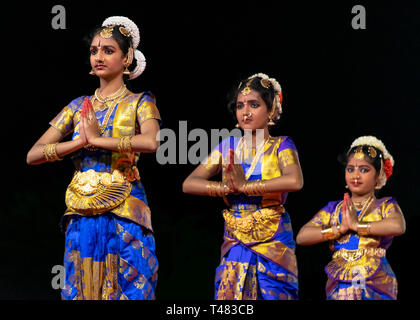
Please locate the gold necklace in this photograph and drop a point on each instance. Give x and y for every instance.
(360, 204)
(107, 101)
(241, 145)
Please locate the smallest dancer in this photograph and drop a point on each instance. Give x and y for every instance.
(359, 228)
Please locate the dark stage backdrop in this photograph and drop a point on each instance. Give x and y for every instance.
(338, 83)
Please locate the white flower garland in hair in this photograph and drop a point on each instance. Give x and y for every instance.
(375, 142)
(141, 64)
(128, 24)
(135, 36)
(276, 86)
(273, 81)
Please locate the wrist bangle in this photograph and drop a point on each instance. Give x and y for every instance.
(50, 152)
(254, 188)
(124, 145)
(363, 229)
(217, 189)
(328, 233)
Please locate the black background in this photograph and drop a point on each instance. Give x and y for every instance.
(338, 84)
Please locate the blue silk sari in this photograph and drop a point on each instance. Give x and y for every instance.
(359, 269)
(258, 258)
(110, 255)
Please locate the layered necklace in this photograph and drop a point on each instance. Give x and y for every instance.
(362, 205)
(108, 101)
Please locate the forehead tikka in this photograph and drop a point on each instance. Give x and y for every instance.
(358, 153)
(245, 91)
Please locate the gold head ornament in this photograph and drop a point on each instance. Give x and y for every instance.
(245, 91)
(372, 152)
(358, 153)
(107, 32)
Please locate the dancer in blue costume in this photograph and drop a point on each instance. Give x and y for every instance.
(360, 229)
(258, 258)
(109, 242)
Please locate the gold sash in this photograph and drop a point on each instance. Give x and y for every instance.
(254, 225)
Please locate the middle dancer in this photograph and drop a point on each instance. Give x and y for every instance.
(258, 258)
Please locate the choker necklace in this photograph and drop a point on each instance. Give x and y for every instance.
(107, 101)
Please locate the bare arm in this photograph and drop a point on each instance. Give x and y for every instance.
(52, 135)
(311, 234)
(144, 142)
(394, 225)
(196, 182)
(290, 180)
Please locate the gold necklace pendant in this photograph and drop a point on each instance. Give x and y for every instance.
(100, 106)
(360, 204)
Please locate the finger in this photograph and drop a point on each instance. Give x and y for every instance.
(231, 156)
(89, 103)
(85, 106)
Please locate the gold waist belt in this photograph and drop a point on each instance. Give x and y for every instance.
(353, 255)
(249, 222)
(97, 192)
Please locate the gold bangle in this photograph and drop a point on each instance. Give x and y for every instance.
(124, 145)
(254, 188)
(328, 233)
(217, 189)
(50, 152)
(363, 229)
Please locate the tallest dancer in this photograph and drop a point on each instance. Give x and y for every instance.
(109, 242)
(258, 254)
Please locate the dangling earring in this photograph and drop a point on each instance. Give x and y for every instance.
(347, 186)
(92, 72)
(270, 122)
(126, 71)
(237, 125)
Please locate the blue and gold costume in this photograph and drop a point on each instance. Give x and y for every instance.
(258, 254)
(359, 269)
(110, 255)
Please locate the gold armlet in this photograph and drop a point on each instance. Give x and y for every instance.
(363, 229)
(50, 152)
(124, 145)
(328, 233)
(254, 188)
